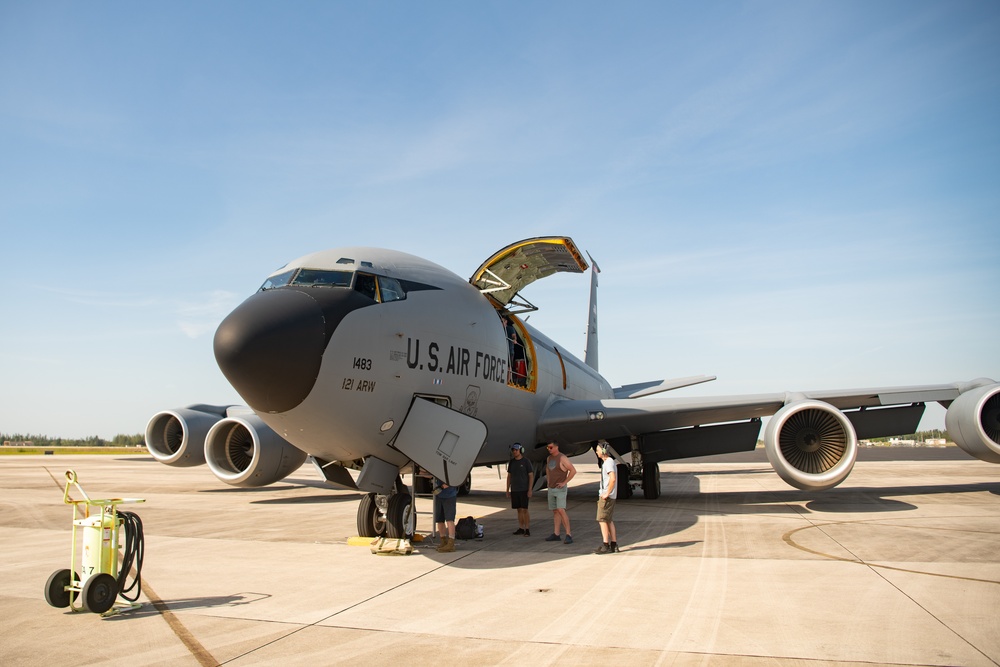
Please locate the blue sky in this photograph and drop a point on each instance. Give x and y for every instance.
(789, 195)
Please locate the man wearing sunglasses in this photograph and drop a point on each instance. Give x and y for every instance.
(558, 472)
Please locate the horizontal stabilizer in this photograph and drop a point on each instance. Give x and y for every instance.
(657, 386)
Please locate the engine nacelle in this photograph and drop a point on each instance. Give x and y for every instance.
(244, 451)
(811, 445)
(177, 437)
(973, 422)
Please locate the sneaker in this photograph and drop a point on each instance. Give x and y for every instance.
(519, 531)
(527, 532)
(603, 549)
(552, 538)
(569, 539)
(613, 548)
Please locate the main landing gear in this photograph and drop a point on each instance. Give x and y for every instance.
(645, 476)
(640, 474)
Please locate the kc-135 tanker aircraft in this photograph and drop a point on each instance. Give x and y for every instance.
(382, 363)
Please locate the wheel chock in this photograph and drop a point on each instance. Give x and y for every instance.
(391, 546)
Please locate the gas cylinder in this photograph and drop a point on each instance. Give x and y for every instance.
(100, 545)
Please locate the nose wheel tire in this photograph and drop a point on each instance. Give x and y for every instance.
(465, 487)
(398, 519)
(371, 523)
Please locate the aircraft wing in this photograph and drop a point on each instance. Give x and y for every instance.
(811, 439)
(508, 271)
(572, 421)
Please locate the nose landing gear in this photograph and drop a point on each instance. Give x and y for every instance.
(387, 515)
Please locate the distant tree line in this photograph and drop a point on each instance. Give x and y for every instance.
(920, 436)
(138, 439)
(120, 440)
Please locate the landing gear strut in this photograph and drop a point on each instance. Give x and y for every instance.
(646, 473)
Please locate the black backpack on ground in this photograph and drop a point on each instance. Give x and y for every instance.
(465, 529)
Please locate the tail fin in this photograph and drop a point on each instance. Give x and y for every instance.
(591, 356)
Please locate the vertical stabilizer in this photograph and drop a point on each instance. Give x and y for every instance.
(591, 357)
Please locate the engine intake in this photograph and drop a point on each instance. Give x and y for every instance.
(244, 451)
(177, 437)
(973, 422)
(811, 445)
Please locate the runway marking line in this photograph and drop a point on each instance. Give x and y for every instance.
(788, 539)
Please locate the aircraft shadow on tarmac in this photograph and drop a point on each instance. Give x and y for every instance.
(643, 524)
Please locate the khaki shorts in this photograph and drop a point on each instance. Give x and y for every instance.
(605, 510)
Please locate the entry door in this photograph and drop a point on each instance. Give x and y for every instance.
(442, 441)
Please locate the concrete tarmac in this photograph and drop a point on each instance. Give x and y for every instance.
(900, 565)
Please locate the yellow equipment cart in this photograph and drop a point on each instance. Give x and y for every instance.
(94, 585)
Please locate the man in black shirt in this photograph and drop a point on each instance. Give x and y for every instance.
(520, 479)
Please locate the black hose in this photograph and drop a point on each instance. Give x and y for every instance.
(131, 554)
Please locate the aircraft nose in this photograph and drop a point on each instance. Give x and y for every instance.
(270, 348)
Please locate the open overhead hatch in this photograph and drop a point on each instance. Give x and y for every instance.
(507, 272)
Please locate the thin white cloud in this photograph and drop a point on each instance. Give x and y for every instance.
(197, 318)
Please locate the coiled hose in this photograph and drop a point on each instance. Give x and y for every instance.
(131, 555)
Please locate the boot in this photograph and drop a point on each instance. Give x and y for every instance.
(447, 545)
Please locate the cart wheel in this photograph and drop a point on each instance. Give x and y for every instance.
(55, 588)
(99, 593)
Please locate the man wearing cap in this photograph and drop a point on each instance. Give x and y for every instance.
(606, 496)
(520, 479)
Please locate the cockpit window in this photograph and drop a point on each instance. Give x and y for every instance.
(277, 280)
(321, 278)
(386, 289)
(365, 283)
(390, 289)
(377, 288)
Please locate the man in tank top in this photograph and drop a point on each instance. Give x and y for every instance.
(558, 472)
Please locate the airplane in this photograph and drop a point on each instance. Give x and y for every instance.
(381, 363)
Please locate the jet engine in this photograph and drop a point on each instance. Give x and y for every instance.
(244, 451)
(811, 445)
(973, 422)
(177, 437)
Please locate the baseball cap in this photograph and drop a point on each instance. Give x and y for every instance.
(517, 445)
